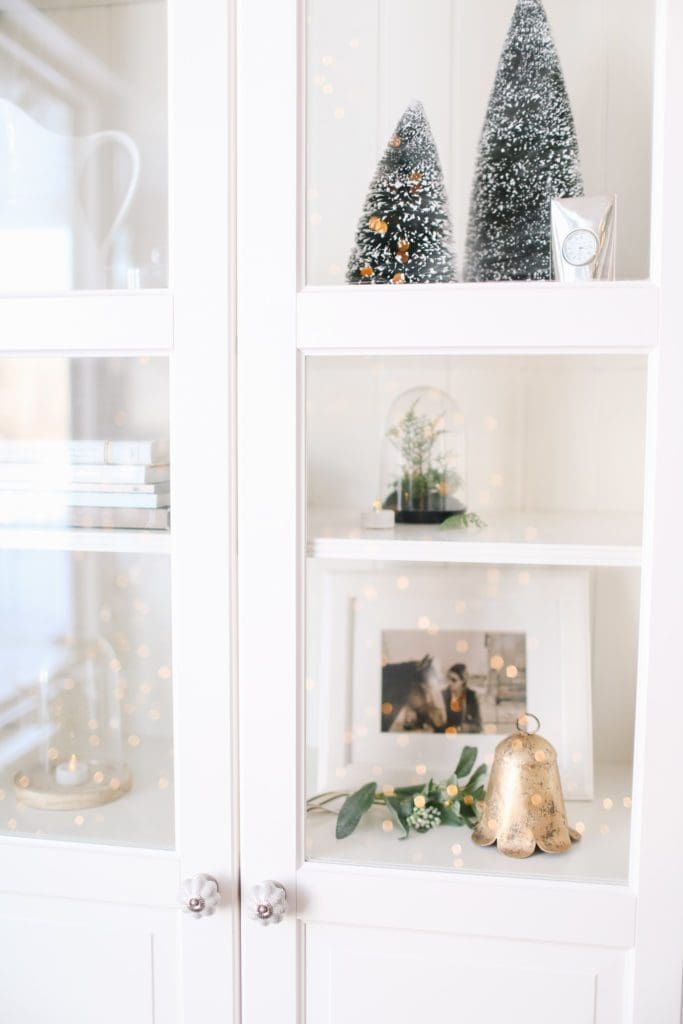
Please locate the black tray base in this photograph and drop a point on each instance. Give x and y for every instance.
(428, 518)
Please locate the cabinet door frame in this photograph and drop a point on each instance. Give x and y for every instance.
(202, 125)
(280, 320)
(194, 965)
(268, 567)
(657, 832)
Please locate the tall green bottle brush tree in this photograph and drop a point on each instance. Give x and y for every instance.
(528, 155)
(404, 235)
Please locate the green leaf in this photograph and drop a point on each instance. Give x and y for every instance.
(407, 804)
(398, 816)
(462, 521)
(468, 811)
(409, 790)
(466, 762)
(449, 816)
(353, 809)
(474, 779)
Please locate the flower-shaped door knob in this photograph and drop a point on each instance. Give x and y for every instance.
(199, 896)
(267, 902)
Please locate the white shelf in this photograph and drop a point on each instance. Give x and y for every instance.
(87, 323)
(510, 538)
(506, 317)
(602, 854)
(142, 818)
(71, 5)
(156, 542)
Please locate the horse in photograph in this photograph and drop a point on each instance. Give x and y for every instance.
(412, 700)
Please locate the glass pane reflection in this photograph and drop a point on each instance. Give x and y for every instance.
(84, 442)
(86, 731)
(83, 146)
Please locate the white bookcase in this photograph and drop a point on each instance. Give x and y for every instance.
(220, 316)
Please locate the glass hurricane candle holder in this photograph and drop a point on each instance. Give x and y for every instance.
(423, 457)
(76, 760)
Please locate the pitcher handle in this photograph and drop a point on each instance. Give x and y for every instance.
(100, 139)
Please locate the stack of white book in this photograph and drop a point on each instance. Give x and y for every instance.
(105, 484)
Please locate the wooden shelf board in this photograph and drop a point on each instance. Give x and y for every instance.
(71, 5)
(124, 541)
(519, 316)
(143, 818)
(602, 854)
(510, 538)
(87, 323)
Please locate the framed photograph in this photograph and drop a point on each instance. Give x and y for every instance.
(413, 663)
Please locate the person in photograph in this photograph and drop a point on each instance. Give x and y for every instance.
(462, 704)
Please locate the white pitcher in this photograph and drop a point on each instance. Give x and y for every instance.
(46, 243)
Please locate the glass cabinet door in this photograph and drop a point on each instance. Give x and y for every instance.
(83, 146)
(408, 122)
(487, 574)
(86, 731)
(116, 775)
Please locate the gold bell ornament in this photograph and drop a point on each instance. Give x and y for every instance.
(524, 806)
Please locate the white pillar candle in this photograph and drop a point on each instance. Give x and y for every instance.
(72, 772)
(378, 518)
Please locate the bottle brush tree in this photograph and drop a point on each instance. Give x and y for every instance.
(404, 235)
(528, 155)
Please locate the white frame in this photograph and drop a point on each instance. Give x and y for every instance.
(551, 607)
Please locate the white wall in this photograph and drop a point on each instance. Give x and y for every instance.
(544, 433)
(615, 606)
(368, 60)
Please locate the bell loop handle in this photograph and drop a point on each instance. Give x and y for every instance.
(524, 723)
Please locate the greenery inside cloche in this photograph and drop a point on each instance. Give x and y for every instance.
(423, 457)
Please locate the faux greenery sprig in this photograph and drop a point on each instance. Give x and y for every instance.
(420, 808)
(426, 476)
(462, 521)
(415, 436)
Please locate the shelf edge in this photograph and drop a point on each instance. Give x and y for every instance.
(596, 556)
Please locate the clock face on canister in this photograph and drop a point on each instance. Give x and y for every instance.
(580, 247)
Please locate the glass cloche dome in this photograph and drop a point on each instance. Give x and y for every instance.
(70, 741)
(423, 457)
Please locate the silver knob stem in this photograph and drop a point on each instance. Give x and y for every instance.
(267, 902)
(199, 896)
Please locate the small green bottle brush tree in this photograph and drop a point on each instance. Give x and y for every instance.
(528, 155)
(404, 235)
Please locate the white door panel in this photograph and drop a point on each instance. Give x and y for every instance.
(368, 975)
(74, 962)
